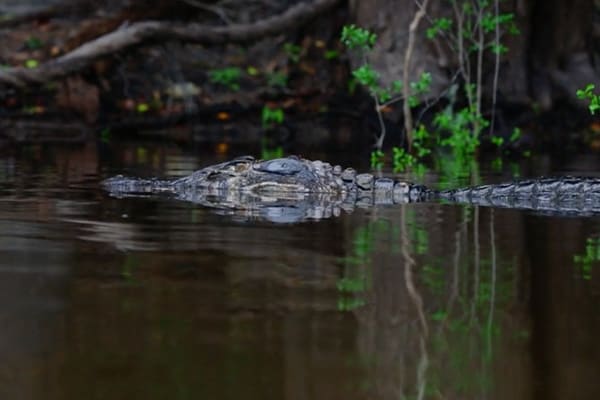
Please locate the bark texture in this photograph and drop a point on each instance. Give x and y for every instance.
(390, 20)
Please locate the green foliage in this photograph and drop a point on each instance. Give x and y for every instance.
(386, 94)
(366, 76)
(31, 63)
(423, 84)
(331, 54)
(456, 165)
(498, 141)
(352, 83)
(498, 48)
(357, 279)
(277, 79)
(293, 51)
(252, 71)
(588, 94)
(130, 264)
(401, 159)
(105, 135)
(363, 40)
(420, 140)
(271, 116)
(268, 153)
(228, 77)
(142, 108)
(438, 26)
(456, 127)
(350, 303)
(33, 43)
(358, 38)
(590, 257)
(489, 21)
(419, 87)
(462, 138)
(377, 157)
(351, 285)
(516, 134)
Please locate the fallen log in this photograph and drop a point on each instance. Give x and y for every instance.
(142, 32)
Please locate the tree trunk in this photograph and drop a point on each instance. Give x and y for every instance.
(390, 20)
(548, 60)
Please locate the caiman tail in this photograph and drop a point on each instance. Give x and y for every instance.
(565, 195)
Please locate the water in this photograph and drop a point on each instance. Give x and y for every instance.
(105, 298)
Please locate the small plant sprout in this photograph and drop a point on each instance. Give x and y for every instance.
(277, 79)
(271, 116)
(228, 77)
(377, 157)
(293, 52)
(593, 99)
(31, 63)
(356, 38)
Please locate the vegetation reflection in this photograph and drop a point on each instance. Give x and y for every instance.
(590, 258)
(458, 301)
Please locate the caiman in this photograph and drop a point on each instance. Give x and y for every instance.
(291, 189)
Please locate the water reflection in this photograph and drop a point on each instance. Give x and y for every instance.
(154, 299)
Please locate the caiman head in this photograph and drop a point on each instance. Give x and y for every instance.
(283, 177)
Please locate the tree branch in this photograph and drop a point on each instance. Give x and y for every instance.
(408, 121)
(138, 33)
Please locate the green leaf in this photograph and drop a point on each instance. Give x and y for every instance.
(33, 43)
(331, 54)
(31, 63)
(498, 48)
(252, 71)
(142, 108)
(358, 38)
(366, 76)
(272, 116)
(516, 134)
(438, 26)
(497, 140)
(277, 79)
(439, 315)
(226, 76)
(293, 51)
(105, 135)
(377, 159)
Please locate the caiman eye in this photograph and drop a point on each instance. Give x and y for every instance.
(241, 167)
(241, 163)
(281, 166)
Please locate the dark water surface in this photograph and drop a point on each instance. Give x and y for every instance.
(104, 298)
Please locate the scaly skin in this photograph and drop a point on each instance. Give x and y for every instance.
(317, 189)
